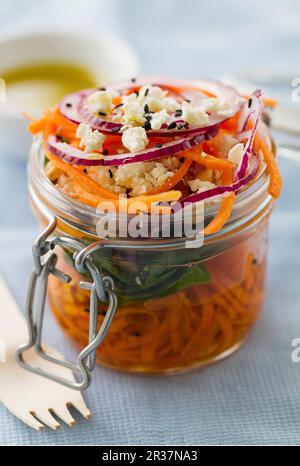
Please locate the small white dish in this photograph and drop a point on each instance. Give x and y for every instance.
(107, 58)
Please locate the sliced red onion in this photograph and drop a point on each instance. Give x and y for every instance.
(254, 111)
(247, 110)
(69, 104)
(219, 190)
(78, 157)
(79, 112)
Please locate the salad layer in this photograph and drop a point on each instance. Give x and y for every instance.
(158, 140)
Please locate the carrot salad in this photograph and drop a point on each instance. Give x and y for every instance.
(158, 143)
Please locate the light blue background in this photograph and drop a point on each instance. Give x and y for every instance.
(253, 396)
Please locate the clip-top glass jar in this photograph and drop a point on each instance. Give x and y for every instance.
(178, 308)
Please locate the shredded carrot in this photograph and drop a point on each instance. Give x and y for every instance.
(172, 332)
(53, 122)
(181, 172)
(267, 101)
(270, 102)
(275, 185)
(128, 204)
(87, 183)
(223, 215)
(210, 161)
(28, 116)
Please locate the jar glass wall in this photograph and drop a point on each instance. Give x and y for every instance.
(178, 309)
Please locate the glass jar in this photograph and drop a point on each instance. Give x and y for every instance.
(178, 308)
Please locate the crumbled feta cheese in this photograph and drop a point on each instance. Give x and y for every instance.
(235, 153)
(200, 186)
(82, 129)
(101, 101)
(92, 140)
(169, 104)
(151, 97)
(220, 106)
(136, 178)
(105, 177)
(133, 113)
(194, 115)
(135, 139)
(151, 91)
(158, 119)
(156, 99)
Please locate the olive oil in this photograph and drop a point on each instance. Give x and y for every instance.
(40, 86)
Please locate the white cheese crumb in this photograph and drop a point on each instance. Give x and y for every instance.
(194, 115)
(221, 107)
(92, 140)
(158, 119)
(235, 153)
(101, 101)
(200, 186)
(133, 113)
(135, 139)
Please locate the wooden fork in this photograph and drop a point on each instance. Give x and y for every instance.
(32, 398)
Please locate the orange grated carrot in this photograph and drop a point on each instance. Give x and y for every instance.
(181, 172)
(222, 216)
(275, 185)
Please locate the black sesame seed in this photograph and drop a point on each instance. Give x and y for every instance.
(188, 101)
(116, 129)
(110, 173)
(146, 108)
(68, 104)
(105, 152)
(133, 80)
(102, 113)
(101, 88)
(136, 334)
(146, 92)
(62, 139)
(147, 125)
(158, 145)
(254, 261)
(172, 125)
(249, 102)
(119, 105)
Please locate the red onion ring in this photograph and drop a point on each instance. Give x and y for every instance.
(254, 111)
(78, 111)
(75, 156)
(219, 190)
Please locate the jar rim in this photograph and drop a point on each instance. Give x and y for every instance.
(249, 202)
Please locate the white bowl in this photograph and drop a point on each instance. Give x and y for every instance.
(107, 58)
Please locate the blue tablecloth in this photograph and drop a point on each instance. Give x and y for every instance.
(253, 396)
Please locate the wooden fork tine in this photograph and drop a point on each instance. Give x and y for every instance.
(46, 417)
(64, 414)
(80, 405)
(30, 420)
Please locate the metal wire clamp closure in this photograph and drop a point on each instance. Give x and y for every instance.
(101, 289)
